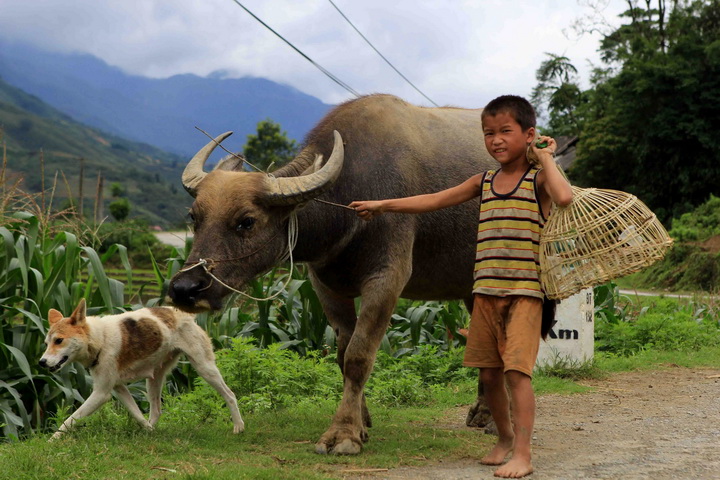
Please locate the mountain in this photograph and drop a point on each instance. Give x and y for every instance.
(33, 131)
(160, 112)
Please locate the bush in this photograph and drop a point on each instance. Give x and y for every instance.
(622, 328)
(698, 225)
(702, 272)
(272, 377)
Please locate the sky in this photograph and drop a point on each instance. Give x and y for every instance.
(456, 52)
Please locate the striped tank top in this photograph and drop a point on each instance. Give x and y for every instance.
(507, 258)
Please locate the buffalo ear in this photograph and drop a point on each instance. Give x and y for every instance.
(54, 316)
(78, 316)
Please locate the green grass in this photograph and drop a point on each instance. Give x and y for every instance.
(704, 357)
(274, 445)
(280, 444)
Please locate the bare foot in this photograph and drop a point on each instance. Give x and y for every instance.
(498, 453)
(515, 468)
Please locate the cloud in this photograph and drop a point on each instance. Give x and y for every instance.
(462, 52)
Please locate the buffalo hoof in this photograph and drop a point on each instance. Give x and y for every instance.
(336, 444)
(345, 447)
(479, 414)
(491, 428)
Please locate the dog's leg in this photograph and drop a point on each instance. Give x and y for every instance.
(126, 398)
(202, 359)
(97, 398)
(155, 386)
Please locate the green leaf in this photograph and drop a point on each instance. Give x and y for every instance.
(21, 360)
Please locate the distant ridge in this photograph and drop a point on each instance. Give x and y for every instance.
(149, 176)
(160, 112)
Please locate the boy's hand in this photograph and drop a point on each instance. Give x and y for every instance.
(367, 209)
(545, 152)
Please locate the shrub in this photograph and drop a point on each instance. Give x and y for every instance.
(698, 225)
(625, 329)
(269, 378)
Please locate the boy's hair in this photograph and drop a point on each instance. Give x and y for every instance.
(518, 107)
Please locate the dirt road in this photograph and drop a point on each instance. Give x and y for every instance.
(173, 238)
(659, 425)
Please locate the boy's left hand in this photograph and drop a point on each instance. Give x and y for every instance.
(545, 153)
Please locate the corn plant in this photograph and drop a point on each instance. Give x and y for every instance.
(424, 323)
(40, 271)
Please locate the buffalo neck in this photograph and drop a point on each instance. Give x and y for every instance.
(323, 231)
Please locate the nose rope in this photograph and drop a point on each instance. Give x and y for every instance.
(208, 264)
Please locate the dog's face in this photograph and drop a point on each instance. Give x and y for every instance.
(66, 339)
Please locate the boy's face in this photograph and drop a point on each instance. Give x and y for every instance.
(505, 139)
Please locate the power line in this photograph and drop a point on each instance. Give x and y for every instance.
(381, 55)
(318, 66)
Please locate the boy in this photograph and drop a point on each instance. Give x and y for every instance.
(507, 312)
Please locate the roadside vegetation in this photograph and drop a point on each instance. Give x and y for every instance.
(279, 358)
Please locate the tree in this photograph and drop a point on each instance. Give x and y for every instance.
(117, 190)
(651, 123)
(558, 92)
(270, 147)
(120, 209)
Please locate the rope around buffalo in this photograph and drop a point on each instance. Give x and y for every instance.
(292, 241)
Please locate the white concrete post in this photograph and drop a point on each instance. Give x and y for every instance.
(572, 337)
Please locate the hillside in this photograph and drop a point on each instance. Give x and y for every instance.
(149, 176)
(159, 112)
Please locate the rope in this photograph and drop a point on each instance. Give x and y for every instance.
(333, 204)
(317, 65)
(292, 241)
(381, 55)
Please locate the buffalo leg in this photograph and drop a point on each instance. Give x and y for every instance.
(379, 296)
(342, 317)
(479, 413)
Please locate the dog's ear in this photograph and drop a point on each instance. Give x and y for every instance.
(54, 316)
(78, 316)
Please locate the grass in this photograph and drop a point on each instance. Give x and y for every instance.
(275, 444)
(280, 444)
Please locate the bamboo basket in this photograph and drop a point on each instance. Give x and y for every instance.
(601, 235)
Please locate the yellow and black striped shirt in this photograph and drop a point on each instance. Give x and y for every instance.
(507, 259)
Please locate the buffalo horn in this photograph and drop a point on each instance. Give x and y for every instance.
(193, 174)
(294, 190)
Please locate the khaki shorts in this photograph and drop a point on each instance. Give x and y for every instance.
(504, 333)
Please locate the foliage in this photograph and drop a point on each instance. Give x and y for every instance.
(655, 110)
(117, 190)
(558, 92)
(623, 328)
(693, 263)
(274, 378)
(267, 378)
(276, 353)
(134, 234)
(424, 323)
(39, 271)
(269, 147)
(120, 209)
(698, 225)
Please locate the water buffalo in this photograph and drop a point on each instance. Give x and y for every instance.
(385, 148)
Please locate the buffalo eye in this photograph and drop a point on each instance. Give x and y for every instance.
(245, 224)
(58, 341)
(191, 221)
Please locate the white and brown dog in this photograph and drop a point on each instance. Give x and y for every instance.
(119, 349)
